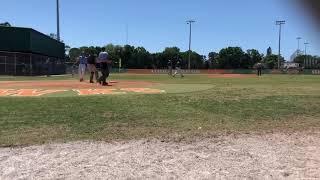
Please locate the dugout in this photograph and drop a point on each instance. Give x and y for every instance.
(27, 52)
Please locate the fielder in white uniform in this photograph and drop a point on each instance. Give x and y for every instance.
(178, 70)
(82, 66)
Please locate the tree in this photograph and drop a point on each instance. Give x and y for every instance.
(246, 62)
(271, 61)
(213, 59)
(139, 57)
(93, 50)
(74, 53)
(130, 56)
(109, 48)
(230, 57)
(126, 55)
(67, 49)
(84, 49)
(114, 52)
(53, 36)
(171, 53)
(142, 58)
(197, 60)
(251, 58)
(5, 24)
(158, 60)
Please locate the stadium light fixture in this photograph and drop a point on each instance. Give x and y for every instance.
(305, 47)
(190, 36)
(305, 52)
(298, 39)
(280, 23)
(58, 20)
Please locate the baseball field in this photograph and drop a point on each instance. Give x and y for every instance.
(37, 112)
(144, 106)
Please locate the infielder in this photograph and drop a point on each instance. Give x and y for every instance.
(82, 60)
(178, 69)
(170, 68)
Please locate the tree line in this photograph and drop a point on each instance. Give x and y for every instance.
(140, 58)
(226, 58)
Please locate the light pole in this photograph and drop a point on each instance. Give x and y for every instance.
(280, 23)
(58, 21)
(190, 23)
(298, 39)
(305, 53)
(127, 34)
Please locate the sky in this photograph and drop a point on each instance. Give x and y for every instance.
(156, 24)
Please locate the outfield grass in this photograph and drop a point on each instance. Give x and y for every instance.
(270, 103)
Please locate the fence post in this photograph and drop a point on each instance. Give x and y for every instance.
(30, 64)
(15, 64)
(5, 64)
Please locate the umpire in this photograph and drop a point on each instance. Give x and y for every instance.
(259, 69)
(104, 61)
(92, 67)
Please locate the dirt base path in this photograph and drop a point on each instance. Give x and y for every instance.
(71, 84)
(272, 156)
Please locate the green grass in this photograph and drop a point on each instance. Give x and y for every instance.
(270, 103)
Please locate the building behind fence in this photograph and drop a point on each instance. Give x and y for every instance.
(24, 51)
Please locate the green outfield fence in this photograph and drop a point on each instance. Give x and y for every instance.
(71, 68)
(219, 71)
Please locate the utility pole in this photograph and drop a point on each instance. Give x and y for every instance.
(190, 36)
(305, 53)
(127, 34)
(299, 38)
(280, 23)
(305, 48)
(58, 21)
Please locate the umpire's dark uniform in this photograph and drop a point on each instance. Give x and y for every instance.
(259, 69)
(92, 67)
(104, 68)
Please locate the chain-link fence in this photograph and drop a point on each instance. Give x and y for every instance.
(28, 64)
(311, 63)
